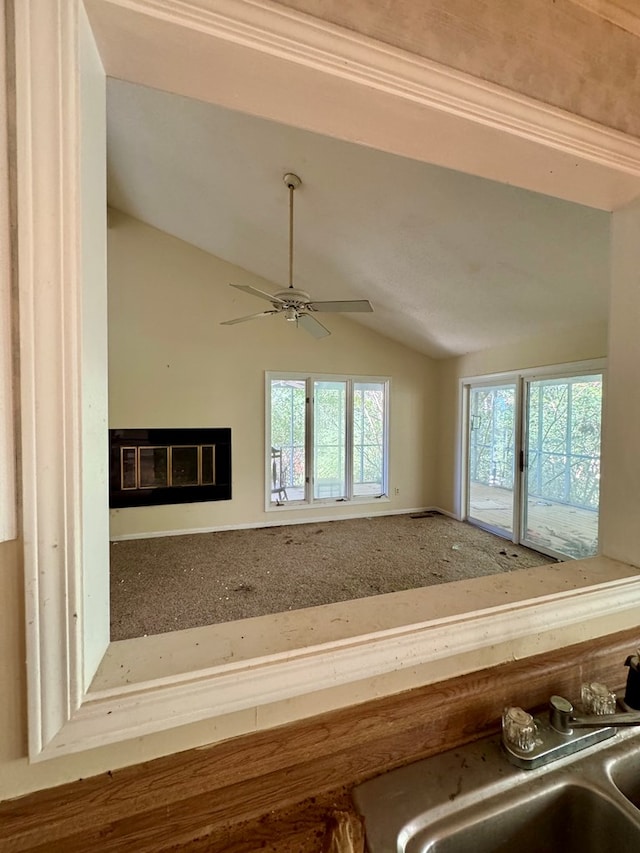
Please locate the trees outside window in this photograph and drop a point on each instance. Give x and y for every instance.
(564, 440)
(533, 463)
(327, 438)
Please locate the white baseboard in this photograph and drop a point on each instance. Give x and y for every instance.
(315, 519)
(446, 512)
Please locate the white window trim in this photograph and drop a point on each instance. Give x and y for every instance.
(575, 368)
(66, 714)
(309, 500)
(8, 525)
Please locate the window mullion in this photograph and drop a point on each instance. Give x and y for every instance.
(308, 442)
(348, 442)
(385, 444)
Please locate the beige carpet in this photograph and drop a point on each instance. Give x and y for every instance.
(175, 582)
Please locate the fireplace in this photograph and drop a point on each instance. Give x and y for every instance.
(148, 467)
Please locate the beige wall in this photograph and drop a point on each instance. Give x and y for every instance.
(572, 345)
(556, 52)
(171, 363)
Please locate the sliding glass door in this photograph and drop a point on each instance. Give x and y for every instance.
(533, 460)
(561, 482)
(491, 468)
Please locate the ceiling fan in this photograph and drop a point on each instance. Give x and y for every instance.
(296, 305)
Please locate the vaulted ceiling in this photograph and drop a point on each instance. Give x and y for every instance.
(452, 263)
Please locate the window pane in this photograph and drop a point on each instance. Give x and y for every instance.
(563, 470)
(184, 466)
(491, 455)
(368, 438)
(128, 468)
(208, 465)
(287, 450)
(154, 471)
(329, 442)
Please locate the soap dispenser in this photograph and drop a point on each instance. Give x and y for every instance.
(632, 692)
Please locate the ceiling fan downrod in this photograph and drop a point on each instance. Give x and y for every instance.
(292, 182)
(296, 305)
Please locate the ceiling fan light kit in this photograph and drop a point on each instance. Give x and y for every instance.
(296, 305)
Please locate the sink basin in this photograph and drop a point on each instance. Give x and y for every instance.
(472, 799)
(571, 819)
(625, 774)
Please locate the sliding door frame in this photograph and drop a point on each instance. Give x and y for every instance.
(470, 386)
(524, 475)
(521, 379)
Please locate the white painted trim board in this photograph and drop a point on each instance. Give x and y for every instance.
(258, 38)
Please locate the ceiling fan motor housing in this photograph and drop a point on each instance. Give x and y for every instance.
(292, 298)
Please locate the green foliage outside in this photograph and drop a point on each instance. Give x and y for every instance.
(491, 436)
(288, 429)
(368, 435)
(329, 447)
(563, 439)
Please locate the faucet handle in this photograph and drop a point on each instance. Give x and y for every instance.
(518, 729)
(597, 699)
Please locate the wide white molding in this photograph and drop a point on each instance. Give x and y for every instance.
(309, 41)
(537, 146)
(8, 528)
(50, 334)
(65, 715)
(137, 709)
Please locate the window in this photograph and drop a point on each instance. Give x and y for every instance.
(327, 438)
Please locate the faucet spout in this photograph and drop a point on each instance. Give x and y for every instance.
(563, 719)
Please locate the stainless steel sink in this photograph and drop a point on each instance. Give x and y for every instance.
(571, 819)
(471, 799)
(625, 773)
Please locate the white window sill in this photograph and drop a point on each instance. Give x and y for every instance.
(327, 502)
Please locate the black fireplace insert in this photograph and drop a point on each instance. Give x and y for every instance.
(149, 467)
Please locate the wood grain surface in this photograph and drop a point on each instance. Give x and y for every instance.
(278, 790)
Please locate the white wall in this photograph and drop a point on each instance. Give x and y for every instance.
(619, 528)
(94, 351)
(573, 345)
(171, 364)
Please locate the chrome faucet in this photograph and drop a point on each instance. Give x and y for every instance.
(530, 742)
(564, 721)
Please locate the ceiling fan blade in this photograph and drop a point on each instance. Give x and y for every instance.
(248, 317)
(262, 294)
(311, 325)
(352, 305)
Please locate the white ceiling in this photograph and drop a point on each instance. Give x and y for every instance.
(452, 263)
